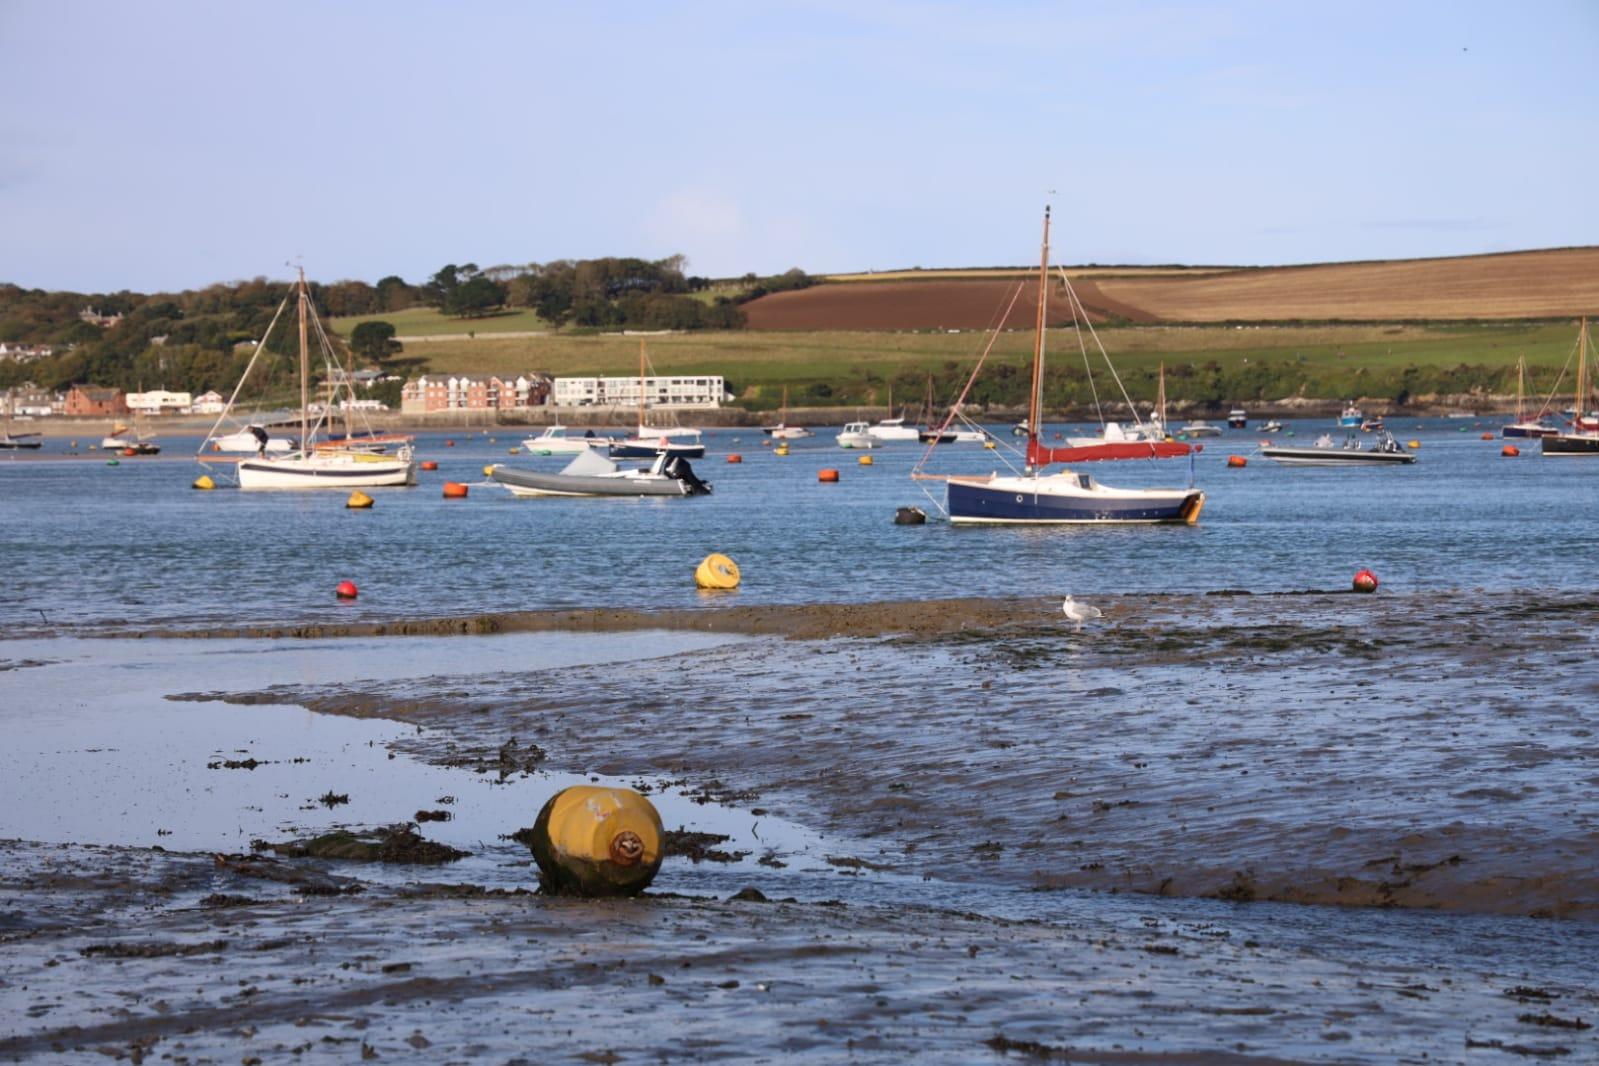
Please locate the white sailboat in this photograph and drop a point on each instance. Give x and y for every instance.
(784, 431)
(310, 465)
(1521, 427)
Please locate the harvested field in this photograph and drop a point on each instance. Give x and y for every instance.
(1516, 285)
(968, 304)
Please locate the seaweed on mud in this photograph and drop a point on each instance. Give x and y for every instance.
(151, 950)
(1553, 1021)
(698, 847)
(393, 844)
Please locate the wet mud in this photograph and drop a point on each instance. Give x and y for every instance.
(1392, 752)
(146, 956)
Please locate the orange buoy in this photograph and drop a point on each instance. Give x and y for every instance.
(1510, 451)
(430, 464)
(1365, 581)
(1237, 460)
(735, 458)
(449, 444)
(454, 490)
(346, 590)
(827, 475)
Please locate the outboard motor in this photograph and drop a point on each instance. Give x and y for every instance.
(677, 467)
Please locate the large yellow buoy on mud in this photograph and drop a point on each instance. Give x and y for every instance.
(593, 841)
(717, 571)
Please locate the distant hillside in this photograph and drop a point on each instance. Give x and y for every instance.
(1514, 285)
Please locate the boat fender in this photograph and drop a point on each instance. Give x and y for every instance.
(910, 516)
(827, 476)
(865, 460)
(1237, 460)
(1510, 451)
(594, 841)
(454, 490)
(717, 571)
(204, 483)
(1365, 581)
(346, 590)
(358, 501)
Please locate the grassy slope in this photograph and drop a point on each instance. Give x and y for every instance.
(427, 322)
(1251, 363)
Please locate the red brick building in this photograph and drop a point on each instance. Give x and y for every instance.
(95, 402)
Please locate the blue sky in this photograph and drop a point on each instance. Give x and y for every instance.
(167, 145)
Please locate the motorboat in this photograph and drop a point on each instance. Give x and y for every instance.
(1374, 424)
(1272, 426)
(557, 440)
(1199, 428)
(592, 474)
(1238, 418)
(892, 429)
(1351, 418)
(648, 443)
(1116, 433)
(951, 435)
(252, 439)
(1384, 451)
(857, 435)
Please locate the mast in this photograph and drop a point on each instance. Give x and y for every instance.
(1160, 400)
(305, 396)
(641, 389)
(1036, 398)
(1582, 373)
(1521, 386)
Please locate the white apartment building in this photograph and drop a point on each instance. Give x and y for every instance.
(158, 402)
(660, 391)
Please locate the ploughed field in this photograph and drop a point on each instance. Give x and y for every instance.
(1537, 284)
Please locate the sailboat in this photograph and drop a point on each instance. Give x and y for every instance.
(1066, 497)
(1521, 427)
(310, 464)
(13, 441)
(1584, 436)
(892, 427)
(650, 441)
(129, 441)
(784, 431)
(946, 434)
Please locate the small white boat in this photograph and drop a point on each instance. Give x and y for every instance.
(889, 429)
(857, 435)
(1199, 428)
(1272, 426)
(591, 474)
(784, 431)
(247, 441)
(556, 440)
(1238, 418)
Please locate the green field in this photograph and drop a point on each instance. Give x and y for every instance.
(428, 322)
(1205, 364)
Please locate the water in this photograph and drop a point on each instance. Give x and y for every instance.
(81, 542)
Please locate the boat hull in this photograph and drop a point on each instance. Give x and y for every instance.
(1334, 457)
(1570, 444)
(1066, 499)
(631, 449)
(327, 471)
(533, 483)
(30, 441)
(1528, 429)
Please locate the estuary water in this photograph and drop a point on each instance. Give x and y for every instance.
(83, 542)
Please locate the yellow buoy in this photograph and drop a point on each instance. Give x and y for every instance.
(488, 471)
(865, 460)
(717, 571)
(358, 501)
(988, 444)
(781, 449)
(1413, 444)
(593, 841)
(204, 482)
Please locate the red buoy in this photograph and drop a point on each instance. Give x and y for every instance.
(1510, 451)
(1237, 460)
(454, 490)
(827, 475)
(1365, 581)
(430, 464)
(449, 444)
(735, 458)
(346, 590)
(1487, 436)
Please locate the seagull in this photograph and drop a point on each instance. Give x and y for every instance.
(1079, 612)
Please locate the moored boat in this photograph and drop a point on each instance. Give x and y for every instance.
(650, 441)
(1524, 427)
(591, 474)
(857, 435)
(893, 429)
(1351, 418)
(557, 440)
(1582, 440)
(1384, 451)
(1238, 418)
(1199, 428)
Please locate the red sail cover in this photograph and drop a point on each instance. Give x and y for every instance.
(1040, 456)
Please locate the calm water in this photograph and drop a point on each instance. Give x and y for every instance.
(83, 542)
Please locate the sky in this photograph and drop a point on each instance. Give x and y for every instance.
(168, 145)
